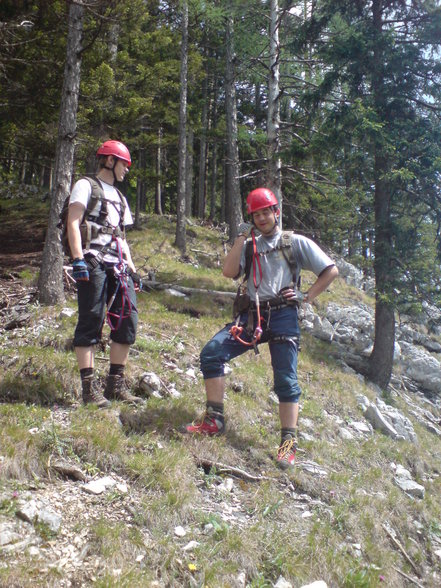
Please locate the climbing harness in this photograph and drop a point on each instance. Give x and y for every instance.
(243, 303)
(237, 330)
(122, 274)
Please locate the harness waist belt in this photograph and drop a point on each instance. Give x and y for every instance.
(95, 260)
(274, 303)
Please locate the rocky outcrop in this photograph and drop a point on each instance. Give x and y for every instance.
(387, 419)
(353, 275)
(351, 330)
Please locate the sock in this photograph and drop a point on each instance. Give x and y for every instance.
(116, 369)
(86, 373)
(288, 433)
(217, 408)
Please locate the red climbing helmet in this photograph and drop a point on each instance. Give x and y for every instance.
(260, 198)
(117, 149)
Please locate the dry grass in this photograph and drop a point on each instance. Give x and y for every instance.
(341, 540)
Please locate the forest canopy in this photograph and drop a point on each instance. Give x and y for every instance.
(359, 128)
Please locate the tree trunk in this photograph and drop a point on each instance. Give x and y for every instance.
(223, 214)
(139, 189)
(214, 150)
(158, 189)
(189, 174)
(213, 181)
(202, 183)
(381, 359)
(180, 241)
(24, 168)
(50, 283)
(274, 169)
(234, 210)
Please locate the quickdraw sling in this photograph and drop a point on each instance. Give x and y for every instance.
(114, 320)
(237, 330)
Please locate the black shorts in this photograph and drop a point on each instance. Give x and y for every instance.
(93, 297)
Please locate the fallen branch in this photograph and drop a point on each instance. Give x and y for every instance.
(408, 577)
(66, 270)
(226, 469)
(153, 285)
(401, 548)
(207, 253)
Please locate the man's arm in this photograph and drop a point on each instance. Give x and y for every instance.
(327, 276)
(74, 218)
(128, 256)
(232, 260)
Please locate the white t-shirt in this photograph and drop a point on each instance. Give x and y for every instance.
(81, 193)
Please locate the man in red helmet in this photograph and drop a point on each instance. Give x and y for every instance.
(269, 314)
(101, 264)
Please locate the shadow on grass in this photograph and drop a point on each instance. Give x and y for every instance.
(38, 390)
(169, 421)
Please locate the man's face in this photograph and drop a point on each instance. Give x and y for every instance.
(121, 169)
(265, 220)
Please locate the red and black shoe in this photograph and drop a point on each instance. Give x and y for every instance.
(211, 425)
(286, 454)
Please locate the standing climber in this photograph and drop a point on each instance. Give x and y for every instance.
(102, 266)
(267, 313)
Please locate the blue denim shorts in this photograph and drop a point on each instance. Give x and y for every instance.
(281, 331)
(93, 297)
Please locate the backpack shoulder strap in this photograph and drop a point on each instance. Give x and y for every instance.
(122, 209)
(96, 196)
(248, 258)
(286, 249)
(288, 254)
(286, 238)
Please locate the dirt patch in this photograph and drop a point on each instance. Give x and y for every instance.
(22, 233)
(21, 247)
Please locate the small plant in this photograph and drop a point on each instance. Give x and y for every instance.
(8, 506)
(360, 578)
(44, 530)
(435, 528)
(220, 527)
(271, 508)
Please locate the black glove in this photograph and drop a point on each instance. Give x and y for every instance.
(80, 271)
(137, 281)
(245, 229)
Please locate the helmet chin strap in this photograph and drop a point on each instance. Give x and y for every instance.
(112, 169)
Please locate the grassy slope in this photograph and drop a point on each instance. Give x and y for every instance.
(342, 540)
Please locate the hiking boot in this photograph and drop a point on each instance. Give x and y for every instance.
(286, 453)
(116, 389)
(212, 424)
(91, 394)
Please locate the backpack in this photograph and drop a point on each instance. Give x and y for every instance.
(286, 249)
(242, 300)
(88, 231)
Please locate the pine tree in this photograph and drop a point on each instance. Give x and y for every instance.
(379, 71)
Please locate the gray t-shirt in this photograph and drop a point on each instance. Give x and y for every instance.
(276, 272)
